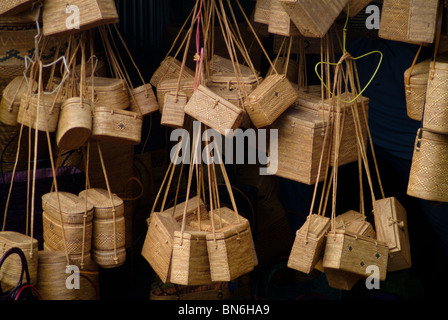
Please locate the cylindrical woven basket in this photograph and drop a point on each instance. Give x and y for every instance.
(51, 276)
(49, 109)
(10, 101)
(428, 178)
(75, 124)
(108, 92)
(106, 259)
(145, 100)
(416, 82)
(121, 126)
(435, 114)
(102, 204)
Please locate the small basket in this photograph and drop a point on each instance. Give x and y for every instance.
(108, 92)
(10, 101)
(170, 69)
(428, 176)
(170, 86)
(214, 111)
(280, 22)
(75, 124)
(173, 111)
(143, 100)
(121, 126)
(49, 109)
(262, 11)
(92, 13)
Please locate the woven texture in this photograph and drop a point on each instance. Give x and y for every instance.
(173, 111)
(108, 92)
(169, 86)
(170, 69)
(428, 175)
(14, 6)
(416, 88)
(409, 20)
(10, 100)
(145, 100)
(49, 108)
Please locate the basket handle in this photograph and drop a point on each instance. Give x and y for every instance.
(437, 40)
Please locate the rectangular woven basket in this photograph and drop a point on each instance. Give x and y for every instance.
(12, 7)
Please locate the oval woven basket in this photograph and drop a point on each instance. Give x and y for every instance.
(106, 259)
(72, 207)
(108, 92)
(109, 234)
(120, 126)
(428, 178)
(49, 109)
(102, 204)
(10, 101)
(416, 82)
(75, 124)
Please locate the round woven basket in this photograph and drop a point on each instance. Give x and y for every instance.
(51, 277)
(435, 117)
(105, 234)
(49, 109)
(144, 100)
(428, 177)
(10, 101)
(106, 259)
(416, 82)
(108, 92)
(75, 124)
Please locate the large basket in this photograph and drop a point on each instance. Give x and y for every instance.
(428, 176)
(416, 83)
(75, 124)
(411, 21)
(121, 126)
(11, 270)
(10, 101)
(170, 68)
(269, 100)
(92, 13)
(108, 92)
(214, 111)
(313, 18)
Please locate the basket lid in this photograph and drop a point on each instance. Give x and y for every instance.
(17, 239)
(120, 112)
(72, 206)
(106, 84)
(17, 88)
(298, 115)
(99, 198)
(171, 84)
(318, 225)
(263, 88)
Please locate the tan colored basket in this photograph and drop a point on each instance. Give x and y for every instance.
(412, 21)
(102, 203)
(435, 114)
(186, 87)
(10, 101)
(170, 69)
(355, 6)
(262, 11)
(353, 253)
(143, 100)
(416, 83)
(341, 280)
(173, 114)
(214, 111)
(121, 126)
(392, 228)
(313, 18)
(269, 100)
(75, 124)
(51, 276)
(219, 64)
(428, 177)
(12, 7)
(355, 222)
(92, 13)
(280, 22)
(309, 243)
(109, 259)
(158, 245)
(12, 267)
(108, 92)
(49, 109)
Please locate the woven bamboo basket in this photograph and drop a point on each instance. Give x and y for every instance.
(110, 258)
(12, 267)
(186, 87)
(355, 222)
(341, 280)
(170, 69)
(230, 246)
(120, 126)
(158, 245)
(262, 11)
(355, 6)
(427, 178)
(309, 243)
(269, 100)
(413, 21)
(104, 232)
(49, 109)
(76, 224)
(12, 7)
(214, 111)
(220, 64)
(435, 114)
(416, 83)
(353, 253)
(92, 13)
(102, 203)
(51, 276)
(75, 124)
(10, 100)
(280, 22)
(313, 18)
(173, 114)
(392, 228)
(143, 100)
(108, 92)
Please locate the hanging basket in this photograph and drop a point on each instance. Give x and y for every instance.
(108, 92)
(173, 114)
(75, 124)
(49, 109)
(120, 126)
(170, 86)
(170, 68)
(416, 83)
(12, 7)
(143, 100)
(280, 22)
(219, 64)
